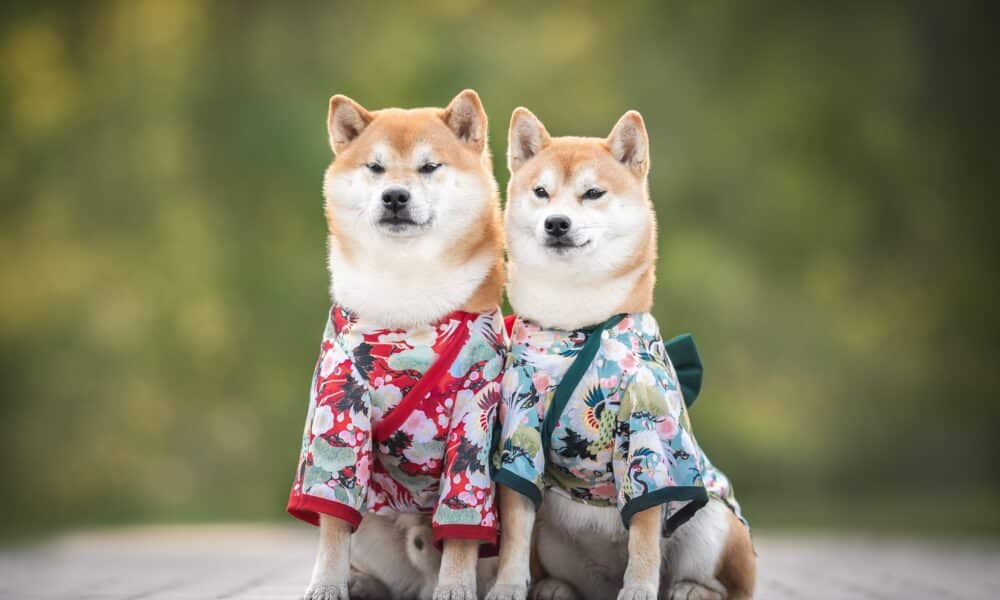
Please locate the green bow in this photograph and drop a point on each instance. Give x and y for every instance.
(684, 356)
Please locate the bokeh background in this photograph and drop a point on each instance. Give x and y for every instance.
(823, 176)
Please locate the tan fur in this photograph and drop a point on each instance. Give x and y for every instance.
(515, 571)
(568, 154)
(331, 571)
(535, 565)
(640, 298)
(737, 568)
(490, 291)
(587, 552)
(620, 168)
(403, 128)
(335, 235)
(643, 570)
(457, 577)
(456, 136)
(488, 240)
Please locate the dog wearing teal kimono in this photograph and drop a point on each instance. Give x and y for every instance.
(601, 479)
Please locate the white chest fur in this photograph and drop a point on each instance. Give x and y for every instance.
(405, 286)
(563, 301)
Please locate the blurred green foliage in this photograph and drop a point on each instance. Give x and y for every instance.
(821, 176)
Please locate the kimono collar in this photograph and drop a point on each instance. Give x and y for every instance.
(681, 349)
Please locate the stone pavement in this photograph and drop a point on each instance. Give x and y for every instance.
(273, 562)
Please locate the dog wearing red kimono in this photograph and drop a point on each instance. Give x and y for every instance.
(395, 451)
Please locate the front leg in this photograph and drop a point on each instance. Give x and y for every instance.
(331, 573)
(457, 577)
(642, 575)
(514, 574)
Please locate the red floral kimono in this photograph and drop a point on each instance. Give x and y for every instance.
(401, 421)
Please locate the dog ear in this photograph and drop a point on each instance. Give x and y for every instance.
(345, 122)
(465, 116)
(527, 137)
(629, 143)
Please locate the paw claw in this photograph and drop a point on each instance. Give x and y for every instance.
(454, 592)
(506, 591)
(637, 592)
(327, 591)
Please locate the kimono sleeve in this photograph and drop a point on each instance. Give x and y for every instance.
(336, 454)
(520, 458)
(656, 460)
(466, 508)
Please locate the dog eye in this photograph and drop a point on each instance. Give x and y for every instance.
(376, 168)
(540, 192)
(593, 194)
(430, 167)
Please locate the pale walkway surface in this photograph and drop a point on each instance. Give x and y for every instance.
(271, 562)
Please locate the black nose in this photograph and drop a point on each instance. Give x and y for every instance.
(395, 198)
(557, 225)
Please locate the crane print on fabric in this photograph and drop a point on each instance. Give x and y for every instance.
(624, 437)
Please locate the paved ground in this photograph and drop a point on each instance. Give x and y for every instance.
(263, 562)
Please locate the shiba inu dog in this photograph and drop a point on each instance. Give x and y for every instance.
(416, 261)
(581, 242)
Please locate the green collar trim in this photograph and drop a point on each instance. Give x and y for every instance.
(683, 355)
(520, 485)
(696, 496)
(573, 376)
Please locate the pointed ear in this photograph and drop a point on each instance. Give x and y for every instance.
(465, 116)
(345, 122)
(629, 143)
(527, 137)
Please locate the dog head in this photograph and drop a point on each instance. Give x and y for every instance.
(401, 174)
(413, 212)
(578, 207)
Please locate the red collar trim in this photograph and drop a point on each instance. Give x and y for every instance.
(458, 338)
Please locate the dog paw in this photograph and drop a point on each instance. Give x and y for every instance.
(553, 589)
(454, 592)
(365, 587)
(506, 591)
(326, 591)
(689, 590)
(637, 592)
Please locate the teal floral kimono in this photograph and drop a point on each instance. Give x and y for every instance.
(600, 414)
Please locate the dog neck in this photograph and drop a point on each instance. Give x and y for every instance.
(561, 303)
(418, 281)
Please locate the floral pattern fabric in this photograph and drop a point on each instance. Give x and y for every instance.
(401, 421)
(624, 437)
